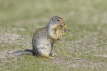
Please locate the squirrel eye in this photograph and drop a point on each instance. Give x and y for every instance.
(58, 20)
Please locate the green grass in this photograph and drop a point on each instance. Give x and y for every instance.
(84, 48)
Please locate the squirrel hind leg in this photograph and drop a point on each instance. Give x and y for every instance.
(46, 56)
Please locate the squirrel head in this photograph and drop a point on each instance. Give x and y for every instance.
(56, 21)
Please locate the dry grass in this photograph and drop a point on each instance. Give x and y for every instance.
(81, 49)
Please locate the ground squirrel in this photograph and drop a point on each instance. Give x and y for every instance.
(44, 38)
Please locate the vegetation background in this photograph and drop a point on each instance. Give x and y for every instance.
(84, 48)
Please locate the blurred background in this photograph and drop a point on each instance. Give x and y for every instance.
(81, 12)
(85, 46)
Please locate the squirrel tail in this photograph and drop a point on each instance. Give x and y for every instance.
(23, 52)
